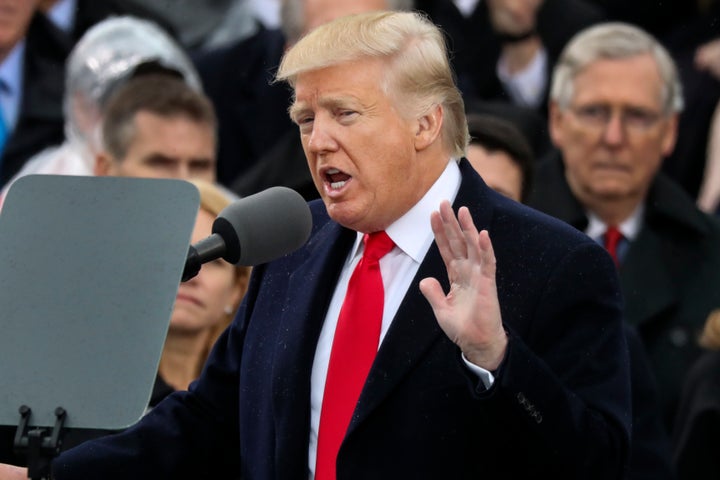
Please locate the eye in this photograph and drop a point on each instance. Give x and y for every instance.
(593, 113)
(305, 123)
(160, 162)
(201, 165)
(640, 118)
(346, 114)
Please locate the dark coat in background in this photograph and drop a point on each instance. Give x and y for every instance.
(40, 118)
(251, 110)
(669, 276)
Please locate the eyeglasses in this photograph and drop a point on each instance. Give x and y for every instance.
(633, 119)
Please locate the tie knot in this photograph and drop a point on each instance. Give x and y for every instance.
(612, 235)
(377, 245)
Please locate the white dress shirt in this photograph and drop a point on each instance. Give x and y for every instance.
(413, 237)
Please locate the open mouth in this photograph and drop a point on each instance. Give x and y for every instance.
(336, 179)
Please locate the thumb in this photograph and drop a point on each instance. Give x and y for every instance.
(433, 293)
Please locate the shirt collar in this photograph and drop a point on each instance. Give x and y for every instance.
(629, 228)
(412, 232)
(11, 68)
(11, 87)
(62, 15)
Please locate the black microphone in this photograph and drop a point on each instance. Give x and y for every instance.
(254, 230)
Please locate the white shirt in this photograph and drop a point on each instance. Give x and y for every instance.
(466, 7)
(527, 87)
(413, 237)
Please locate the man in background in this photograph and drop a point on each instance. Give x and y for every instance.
(157, 126)
(614, 112)
(32, 66)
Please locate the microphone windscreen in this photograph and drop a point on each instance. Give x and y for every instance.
(264, 226)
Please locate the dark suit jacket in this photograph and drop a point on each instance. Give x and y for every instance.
(251, 110)
(40, 119)
(560, 404)
(669, 277)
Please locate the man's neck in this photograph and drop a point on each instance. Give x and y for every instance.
(612, 212)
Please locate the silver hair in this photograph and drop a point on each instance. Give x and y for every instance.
(292, 17)
(614, 40)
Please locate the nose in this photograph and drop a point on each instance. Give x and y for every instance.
(321, 138)
(614, 132)
(183, 171)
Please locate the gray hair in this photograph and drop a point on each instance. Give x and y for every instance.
(292, 16)
(418, 76)
(614, 40)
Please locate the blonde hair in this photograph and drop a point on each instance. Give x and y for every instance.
(419, 75)
(710, 337)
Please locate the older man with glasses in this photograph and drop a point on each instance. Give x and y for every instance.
(614, 113)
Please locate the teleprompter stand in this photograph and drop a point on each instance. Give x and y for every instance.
(39, 445)
(89, 272)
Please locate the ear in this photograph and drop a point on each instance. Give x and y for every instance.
(670, 137)
(428, 127)
(555, 124)
(103, 164)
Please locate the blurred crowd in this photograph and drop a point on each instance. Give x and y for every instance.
(618, 136)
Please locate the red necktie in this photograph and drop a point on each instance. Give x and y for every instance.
(354, 347)
(612, 238)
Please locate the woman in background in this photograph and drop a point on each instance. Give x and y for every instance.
(205, 305)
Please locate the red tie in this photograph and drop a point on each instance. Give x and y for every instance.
(612, 238)
(354, 347)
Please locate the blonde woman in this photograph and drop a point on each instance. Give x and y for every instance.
(204, 306)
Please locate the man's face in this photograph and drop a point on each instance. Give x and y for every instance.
(614, 134)
(318, 12)
(497, 169)
(15, 16)
(361, 151)
(168, 147)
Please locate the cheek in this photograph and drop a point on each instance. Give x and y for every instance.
(221, 287)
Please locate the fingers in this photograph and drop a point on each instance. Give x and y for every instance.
(487, 254)
(457, 237)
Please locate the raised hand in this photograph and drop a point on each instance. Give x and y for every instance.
(470, 312)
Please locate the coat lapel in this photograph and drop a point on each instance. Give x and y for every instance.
(310, 288)
(646, 295)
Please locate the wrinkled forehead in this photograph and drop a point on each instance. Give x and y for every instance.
(633, 80)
